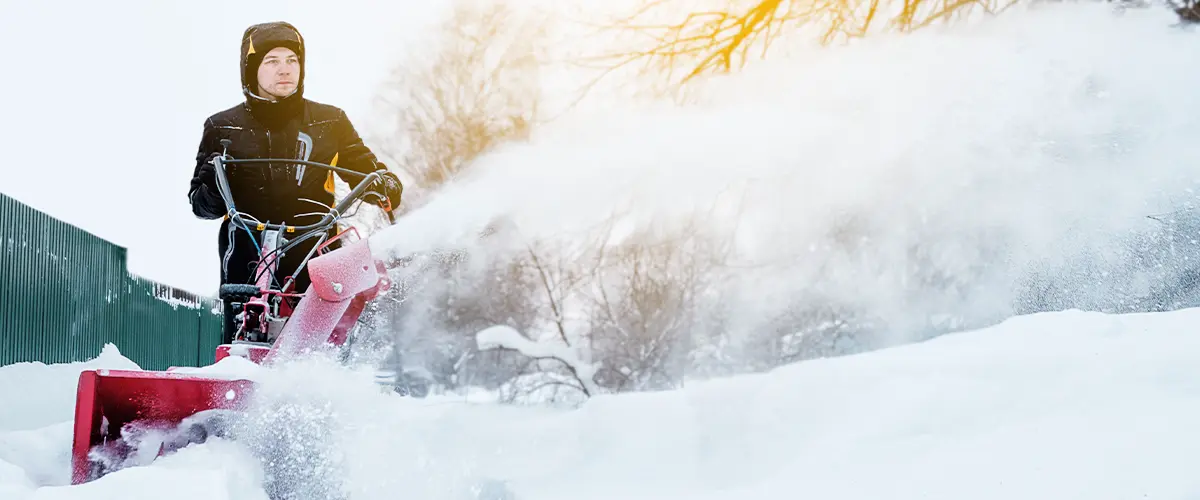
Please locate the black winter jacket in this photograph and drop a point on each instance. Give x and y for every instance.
(274, 193)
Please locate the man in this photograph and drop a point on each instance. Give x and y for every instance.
(275, 121)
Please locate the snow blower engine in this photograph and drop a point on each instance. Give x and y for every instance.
(130, 417)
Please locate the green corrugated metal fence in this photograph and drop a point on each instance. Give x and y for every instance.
(64, 293)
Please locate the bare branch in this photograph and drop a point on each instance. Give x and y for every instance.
(722, 40)
(550, 288)
(477, 89)
(580, 387)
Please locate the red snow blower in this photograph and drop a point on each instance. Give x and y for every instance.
(127, 417)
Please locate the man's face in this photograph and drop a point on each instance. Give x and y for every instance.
(278, 74)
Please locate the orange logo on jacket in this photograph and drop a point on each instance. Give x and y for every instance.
(330, 187)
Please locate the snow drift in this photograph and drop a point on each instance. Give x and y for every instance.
(1055, 405)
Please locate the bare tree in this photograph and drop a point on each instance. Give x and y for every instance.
(476, 88)
(560, 351)
(617, 311)
(647, 300)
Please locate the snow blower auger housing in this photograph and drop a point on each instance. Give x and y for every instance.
(129, 417)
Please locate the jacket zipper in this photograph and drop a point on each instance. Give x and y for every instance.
(270, 173)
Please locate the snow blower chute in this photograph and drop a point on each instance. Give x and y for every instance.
(129, 417)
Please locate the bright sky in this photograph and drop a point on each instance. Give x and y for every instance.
(104, 103)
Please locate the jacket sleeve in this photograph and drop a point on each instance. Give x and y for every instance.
(203, 194)
(353, 153)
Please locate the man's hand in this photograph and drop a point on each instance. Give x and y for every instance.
(207, 173)
(393, 190)
(203, 193)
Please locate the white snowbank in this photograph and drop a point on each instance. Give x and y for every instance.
(35, 420)
(27, 383)
(43, 454)
(1057, 405)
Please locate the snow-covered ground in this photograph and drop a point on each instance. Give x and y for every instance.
(1053, 406)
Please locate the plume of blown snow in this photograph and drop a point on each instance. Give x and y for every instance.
(908, 176)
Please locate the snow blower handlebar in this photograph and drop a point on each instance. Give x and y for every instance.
(327, 219)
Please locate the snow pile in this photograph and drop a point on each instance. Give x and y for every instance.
(35, 427)
(1056, 405)
(27, 382)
